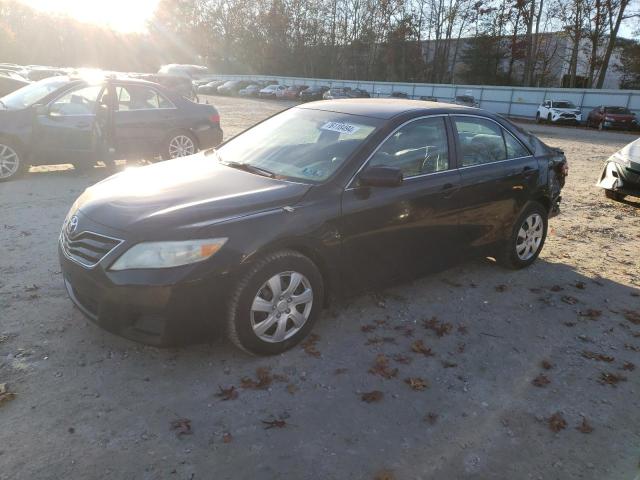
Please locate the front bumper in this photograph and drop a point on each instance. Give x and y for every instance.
(620, 178)
(566, 117)
(156, 307)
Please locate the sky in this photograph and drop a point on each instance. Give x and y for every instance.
(132, 15)
(120, 15)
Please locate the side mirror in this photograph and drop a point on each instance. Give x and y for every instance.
(381, 177)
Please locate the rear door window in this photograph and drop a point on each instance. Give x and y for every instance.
(140, 97)
(484, 141)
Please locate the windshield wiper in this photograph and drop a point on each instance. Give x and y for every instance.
(249, 168)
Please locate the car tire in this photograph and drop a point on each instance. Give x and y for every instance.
(537, 117)
(12, 164)
(613, 195)
(549, 118)
(179, 144)
(526, 239)
(246, 326)
(601, 126)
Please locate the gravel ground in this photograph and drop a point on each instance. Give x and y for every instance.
(493, 374)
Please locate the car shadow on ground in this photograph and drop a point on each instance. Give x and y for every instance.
(500, 353)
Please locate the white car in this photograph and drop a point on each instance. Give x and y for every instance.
(553, 111)
(271, 91)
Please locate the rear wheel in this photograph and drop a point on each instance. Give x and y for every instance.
(537, 117)
(11, 161)
(549, 118)
(613, 195)
(275, 304)
(527, 238)
(601, 126)
(180, 144)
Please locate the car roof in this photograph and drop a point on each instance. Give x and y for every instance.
(386, 108)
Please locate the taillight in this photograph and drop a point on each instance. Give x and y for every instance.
(215, 118)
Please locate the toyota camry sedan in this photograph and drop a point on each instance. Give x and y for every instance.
(323, 200)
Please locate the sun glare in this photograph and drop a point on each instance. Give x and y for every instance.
(121, 15)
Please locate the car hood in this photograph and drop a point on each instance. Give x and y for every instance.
(186, 193)
(627, 154)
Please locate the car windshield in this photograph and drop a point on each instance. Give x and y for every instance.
(299, 144)
(563, 105)
(618, 110)
(32, 94)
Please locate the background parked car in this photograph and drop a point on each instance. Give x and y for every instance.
(232, 87)
(605, 117)
(250, 90)
(313, 93)
(556, 111)
(270, 91)
(35, 74)
(621, 173)
(293, 92)
(210, 88)
(466, 100)
(183, 70)
(10, 82)
(72, 120)
(428, 98)
(399, 95)
(345, 92)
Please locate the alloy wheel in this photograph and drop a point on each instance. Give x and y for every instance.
(181, 146)
(9, 161)
(529, 236)
(281, 307)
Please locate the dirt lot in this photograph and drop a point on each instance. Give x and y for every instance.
(89, 405)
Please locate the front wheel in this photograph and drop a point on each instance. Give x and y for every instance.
(275, 304)
(180, 144)
(11, 161)
(527, 238)
(537, 117)
(613, 195)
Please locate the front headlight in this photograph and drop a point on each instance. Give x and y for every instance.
(168, 254)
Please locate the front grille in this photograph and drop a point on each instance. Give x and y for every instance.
(568, 115)
(87, 248)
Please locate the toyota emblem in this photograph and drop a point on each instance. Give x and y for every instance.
(72, 225)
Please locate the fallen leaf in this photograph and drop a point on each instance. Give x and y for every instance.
(462, 329)
(32, 288)
(379, 340)
(309, 345)
(569, 324)
(591, 313)
(585, 427)
(612, 379)
(277, 423)
(546, 364)
(340, 371)
(402, 359)
(368, 328)
(448, 364)
(461, 347)
(263, 381)
(431, 418)
(633, 316)
(628, 366)
(541, 381)
(381, 367)
(597, 356)
(556, 288)
(372, 397)
(501, 288)
(569, 299)
(416, 383)
(633, 348)
(292, 389)
(419, 347)
(557, 422)
(440, 328)
(580, 285)
(384, 475)
(227, 393)
(226, 437)
(182, 426)
(5, 394)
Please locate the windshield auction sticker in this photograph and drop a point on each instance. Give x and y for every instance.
(340, 128)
